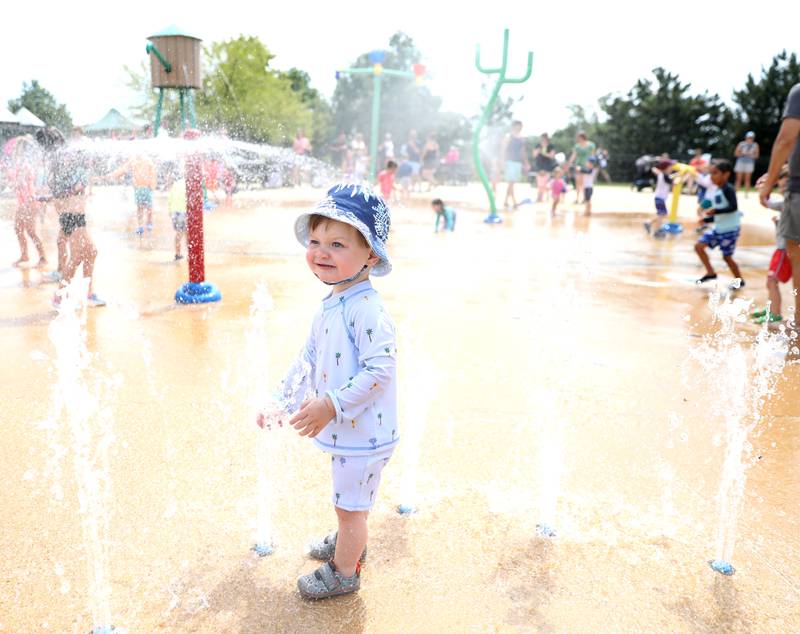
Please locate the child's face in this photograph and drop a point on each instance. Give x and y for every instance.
(336, 251)
(437, 208)
(718, 177)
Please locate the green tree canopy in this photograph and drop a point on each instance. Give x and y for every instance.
(321, 112)
(41, 102)
(661, 115)
(760, 103)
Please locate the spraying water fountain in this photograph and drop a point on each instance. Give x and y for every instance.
(77, 403)
(745, 376)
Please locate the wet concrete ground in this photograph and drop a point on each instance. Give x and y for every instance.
(514, 339)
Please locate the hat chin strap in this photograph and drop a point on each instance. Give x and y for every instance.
(349, 279)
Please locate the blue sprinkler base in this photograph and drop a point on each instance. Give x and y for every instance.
(722, 567)
(545, 530)
(104, 629)
(262, 550)
(197, 293)
(672, 227)
(406, 509)
(493, 219)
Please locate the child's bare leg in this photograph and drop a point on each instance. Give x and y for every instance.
(19, 229)
(732, 266)
(793, 251)
(178, 239)
(61, 246)
(351, 540)
(149, 215)
(140, 215)
(700, 249)
(774, 293)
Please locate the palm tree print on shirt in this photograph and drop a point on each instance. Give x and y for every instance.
(387, 350)
(380, 419)
(334, 436)
(342, 460)
(369, 334)
(371, 475)
(373, 442)
(338, 356)
(338, 495)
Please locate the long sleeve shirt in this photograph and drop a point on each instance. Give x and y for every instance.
(350, 356)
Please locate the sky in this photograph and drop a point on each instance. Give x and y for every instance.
(581, 50)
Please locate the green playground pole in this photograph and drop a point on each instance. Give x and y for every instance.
(192, 113)
(157, 124)
(378, 71)
(183, 108)
(487, 112)
(376, 113)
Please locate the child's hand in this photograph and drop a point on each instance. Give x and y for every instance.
(313, 416)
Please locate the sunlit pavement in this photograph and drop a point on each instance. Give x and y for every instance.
(537, 357)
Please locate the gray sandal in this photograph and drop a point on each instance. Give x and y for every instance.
(326, 582)
(325, 548)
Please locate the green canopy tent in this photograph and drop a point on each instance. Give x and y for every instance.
(112, 122)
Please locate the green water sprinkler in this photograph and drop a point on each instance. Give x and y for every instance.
(377, 71)
(502, 79)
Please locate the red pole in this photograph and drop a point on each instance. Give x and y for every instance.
(194, 212)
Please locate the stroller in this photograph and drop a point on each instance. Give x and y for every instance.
(644, 172)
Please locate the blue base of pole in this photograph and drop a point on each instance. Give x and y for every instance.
(262, 550)
(493, 219)
(722, 567)
(672, 227)
(104, 629)
(197, 293)
(545, 530)
(406, 509)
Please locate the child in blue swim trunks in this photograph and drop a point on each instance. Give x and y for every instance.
(723, 212)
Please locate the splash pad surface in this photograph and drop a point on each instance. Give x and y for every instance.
(579, 325)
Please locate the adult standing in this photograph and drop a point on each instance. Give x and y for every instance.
(581, 151)
(602, 156)
(513, 150)
(544, 161)
(746, 153)
(302, 148)
(788, 143)
(338, 150)
(430, 160)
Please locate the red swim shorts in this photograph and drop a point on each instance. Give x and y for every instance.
(780, 267)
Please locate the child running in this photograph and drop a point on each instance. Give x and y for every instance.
(724, 213)
(780, 268)
(654, 227)
(350, 363)
(445, 214)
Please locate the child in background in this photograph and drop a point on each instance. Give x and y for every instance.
(176, 205)
(404, 175)
(724, 212)
(386, 180)
(349, 363)
(142, 172)
(444, 213)
(589, 174)
(22, 176)
(557, 189)
(780, 268)
(663, 185)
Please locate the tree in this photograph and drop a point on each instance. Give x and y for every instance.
(564, 139)
(245, 97)
(661, 116)
(321, 112)
(761, 102)
(42, 103)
